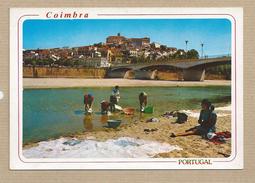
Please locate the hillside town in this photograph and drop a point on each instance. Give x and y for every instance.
(116, 49)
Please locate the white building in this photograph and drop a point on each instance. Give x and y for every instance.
(156, 45)
(133, 53)
(104, 62)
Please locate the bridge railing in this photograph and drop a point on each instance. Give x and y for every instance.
(172, 60)
(216, 56)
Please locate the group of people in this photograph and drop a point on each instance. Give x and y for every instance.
(207, 118)
(110, 105)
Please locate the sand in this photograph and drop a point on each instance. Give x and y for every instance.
(193, 146)
(75, 82)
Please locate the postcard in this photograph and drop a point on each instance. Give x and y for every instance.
(126, 88)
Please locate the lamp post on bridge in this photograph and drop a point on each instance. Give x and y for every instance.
(202, 50)
(186, 42)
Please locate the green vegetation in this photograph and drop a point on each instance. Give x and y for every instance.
(39, 62)
(62, 62)
(180, 54)
(192, 54)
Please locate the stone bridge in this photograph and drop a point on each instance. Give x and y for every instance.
(190, 69)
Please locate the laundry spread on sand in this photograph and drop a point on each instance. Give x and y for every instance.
(181, 116)
(72, 142)
(220, 137)
(123, 147)
(153, 120)
(167, 115)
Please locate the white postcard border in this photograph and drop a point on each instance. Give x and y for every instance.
(19, 15)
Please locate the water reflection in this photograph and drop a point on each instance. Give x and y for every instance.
(104, 118)
(87, 122)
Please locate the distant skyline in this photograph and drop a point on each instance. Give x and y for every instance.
(214, 33)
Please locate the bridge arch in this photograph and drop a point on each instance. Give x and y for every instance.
(165, 67)
(121, 69)
(123, 72)
(164, 72)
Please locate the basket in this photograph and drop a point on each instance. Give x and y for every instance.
(149, 110)
(113, 123)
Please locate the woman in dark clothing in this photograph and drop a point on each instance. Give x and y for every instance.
(88, 102)
(142, 101)
(207, 120)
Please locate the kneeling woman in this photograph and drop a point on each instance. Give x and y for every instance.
(207, 121)
(105, 107)
(88, 102)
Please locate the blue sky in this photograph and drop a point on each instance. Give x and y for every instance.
(214, 33)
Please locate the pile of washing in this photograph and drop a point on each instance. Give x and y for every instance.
(219, 137)
(181, 117)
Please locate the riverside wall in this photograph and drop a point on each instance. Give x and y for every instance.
(47, 72)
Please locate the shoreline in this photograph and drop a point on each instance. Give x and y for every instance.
(44, 83)
(192, 146)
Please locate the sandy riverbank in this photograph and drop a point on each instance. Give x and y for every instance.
(189, 147)
(74, 82)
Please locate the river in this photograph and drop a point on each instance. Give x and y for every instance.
(50, 113)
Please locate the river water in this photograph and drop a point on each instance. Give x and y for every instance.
(50, 113)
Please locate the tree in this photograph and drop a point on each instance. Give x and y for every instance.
(40, 62)
(179, 54)
(192, 54)
(28, 61)
(134, 60)
(163, 47)
(98, 44)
